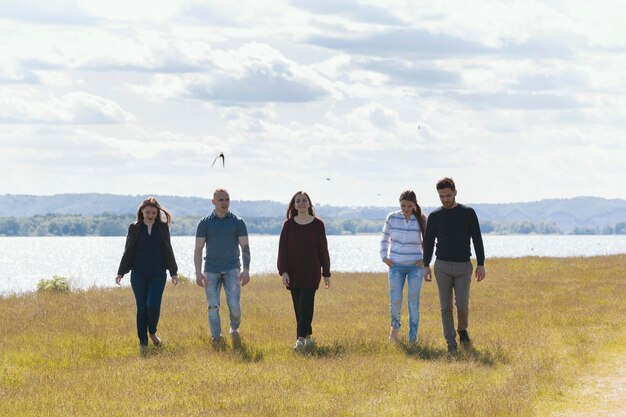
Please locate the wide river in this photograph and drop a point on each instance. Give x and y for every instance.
(93, 261)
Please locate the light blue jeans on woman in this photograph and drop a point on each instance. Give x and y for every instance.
(230, 281)
(397, 275)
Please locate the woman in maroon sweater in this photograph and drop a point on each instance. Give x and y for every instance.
(302, 259)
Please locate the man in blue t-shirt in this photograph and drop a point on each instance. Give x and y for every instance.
(453, 225)
(222, 232)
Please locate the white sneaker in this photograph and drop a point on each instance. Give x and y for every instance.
(308, 342)
(299, 345)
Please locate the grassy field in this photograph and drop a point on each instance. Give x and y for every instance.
(537, 325)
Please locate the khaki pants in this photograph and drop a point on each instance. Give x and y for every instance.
(453, 277)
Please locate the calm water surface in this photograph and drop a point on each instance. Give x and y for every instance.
(93, 261)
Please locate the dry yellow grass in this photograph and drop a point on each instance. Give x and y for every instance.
(537, 325)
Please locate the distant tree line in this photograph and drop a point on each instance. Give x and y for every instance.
(108, 224)
(521, 227)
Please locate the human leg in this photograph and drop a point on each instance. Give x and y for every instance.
(156, 286)
(212, 292)
(232, 286)
(462, 283)
(306, 309)
(445, 284)
(415, 278)
(397, 275)
(139, 284)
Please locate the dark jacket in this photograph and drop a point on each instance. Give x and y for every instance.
(130, 248)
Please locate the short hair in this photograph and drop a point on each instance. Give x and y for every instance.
(220, 190)
(446, 182)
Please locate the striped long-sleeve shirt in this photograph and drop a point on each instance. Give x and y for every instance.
(401, 239)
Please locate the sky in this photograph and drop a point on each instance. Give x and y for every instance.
(351, 101)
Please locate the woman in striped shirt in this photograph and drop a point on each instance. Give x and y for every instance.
(401, 250)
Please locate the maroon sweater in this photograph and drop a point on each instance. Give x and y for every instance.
(303, 253)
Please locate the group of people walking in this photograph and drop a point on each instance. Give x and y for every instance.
(407, 246)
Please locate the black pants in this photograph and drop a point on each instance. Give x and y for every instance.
(303, 303)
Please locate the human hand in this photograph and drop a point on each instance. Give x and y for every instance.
(175, 279)
(200, 279)
(428, 275)
(388, 262)
(327, 282)
(480, 273)
(118, 279)
(244, 277)
(286, 279)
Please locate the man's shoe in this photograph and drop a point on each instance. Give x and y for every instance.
(452, 350)
(464, 338)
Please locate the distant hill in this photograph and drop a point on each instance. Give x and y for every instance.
(567, 215)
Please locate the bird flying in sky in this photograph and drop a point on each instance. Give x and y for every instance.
(221, 155)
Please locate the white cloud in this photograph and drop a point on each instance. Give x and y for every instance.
(253, 73)
(28, 106)
(505, 94)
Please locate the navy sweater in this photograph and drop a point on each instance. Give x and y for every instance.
(453, 228)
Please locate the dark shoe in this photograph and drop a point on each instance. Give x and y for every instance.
(155, 340)
(452, 350)
(143, 350)
(464, 338)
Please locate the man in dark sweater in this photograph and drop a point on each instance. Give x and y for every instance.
(453, 225)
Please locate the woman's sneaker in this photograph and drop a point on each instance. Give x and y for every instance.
(308, 342)
(299, 345)
(394, 335)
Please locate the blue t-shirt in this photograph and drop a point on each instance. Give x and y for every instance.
(222, 241)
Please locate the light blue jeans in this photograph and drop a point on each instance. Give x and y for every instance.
(230, 281)
(397, 275)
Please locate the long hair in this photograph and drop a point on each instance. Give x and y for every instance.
(409, 195)
(151, 201)
(291, 209)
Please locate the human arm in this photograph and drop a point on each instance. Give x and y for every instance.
(170, 259)
(429, 246)
(283, 253)
(244, 276)
(480, 273)
(428, 275)
(384, 242)
(197, 261)
(322, 253)
(128, 255)
(479, 248)
(285, 278)
(429, 240)
(477, 238)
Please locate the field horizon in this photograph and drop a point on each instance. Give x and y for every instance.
(538, 324)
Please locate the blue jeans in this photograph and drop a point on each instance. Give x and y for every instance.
(397, 275)
(148, 292)
(230, 281)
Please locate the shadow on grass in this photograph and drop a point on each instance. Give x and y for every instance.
(246, 352)
(469, 353)
(240, 349)
(334, 350)
(151, 351)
